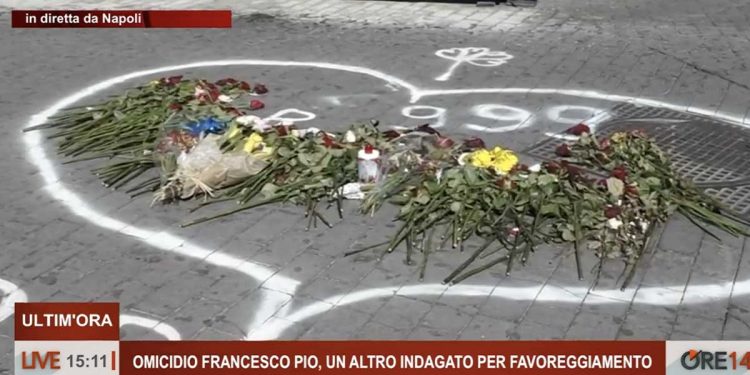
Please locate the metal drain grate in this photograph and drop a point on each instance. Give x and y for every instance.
(713, 154)
(736, 198)
(626, 111)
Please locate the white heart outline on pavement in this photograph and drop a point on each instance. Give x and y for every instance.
(270, 280)
(11, 294)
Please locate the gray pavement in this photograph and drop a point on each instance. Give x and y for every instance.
(260, 275)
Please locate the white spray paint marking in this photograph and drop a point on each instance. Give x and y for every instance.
(161, 328)
(477, 56)
(656, 296)
(514, 118)
(589, 94)
(284, 115)
(437, 114)
(169, 242)
(572, 114)
(592, 123)
(11, 294)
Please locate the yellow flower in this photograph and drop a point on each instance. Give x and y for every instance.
(253, 142)
(264, 153)
(481, 158)
(505, 163)
(619, 137)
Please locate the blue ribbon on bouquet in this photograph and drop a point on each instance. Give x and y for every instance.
(206, 125)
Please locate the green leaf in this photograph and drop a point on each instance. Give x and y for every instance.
(432, 187)
(654, 181)
(567, 235)
(470, 174)
(550, 209)
(422, 197)
(547, 179)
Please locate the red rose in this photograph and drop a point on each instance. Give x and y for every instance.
(260, 88)
(214, 94)
(245, 86)
(519, 168)
(579, 129)
(604, 144)
(505, 183)
(572, 170)
(281, 130)
(563, 150)
(612, 211)
(639, 133)
(474, 143)
(631, 190)
(212, 87)
(256, 104)
(620, 172)
(173, 80)
(444, 142)
(391, 134)
(175, 106)
(221, 82)
(551, 167)
(230, 81)
(328, 141)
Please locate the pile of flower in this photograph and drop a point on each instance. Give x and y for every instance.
(604, 194)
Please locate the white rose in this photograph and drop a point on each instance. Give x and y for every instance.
(350, 137)
(225, 98)
(614, 223)
(297, 133)
(200, 92)
(247, 119)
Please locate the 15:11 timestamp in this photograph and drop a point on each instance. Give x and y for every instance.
(93, 361)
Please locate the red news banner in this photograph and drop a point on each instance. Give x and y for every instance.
(121, 18)
(393, 357)
(83, 338)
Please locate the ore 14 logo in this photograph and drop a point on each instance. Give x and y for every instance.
(698, 359)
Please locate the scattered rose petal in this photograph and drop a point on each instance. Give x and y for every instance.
(260, 88)
(245, 86)
(256, 104)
